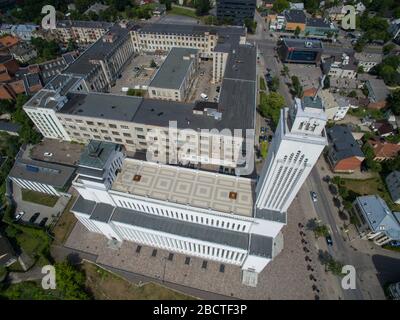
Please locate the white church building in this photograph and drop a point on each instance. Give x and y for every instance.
(230, 219)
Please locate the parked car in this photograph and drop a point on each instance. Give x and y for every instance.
(42, 222)
(48, 154)
(263, 130)
(34, 217)
(329, 241)
(314, 196)
(204, 96)
(19, 215)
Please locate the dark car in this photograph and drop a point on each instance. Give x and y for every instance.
(329, 240)
(42, 222)
(34, 217)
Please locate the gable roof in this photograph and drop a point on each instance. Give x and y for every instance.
(342, 143)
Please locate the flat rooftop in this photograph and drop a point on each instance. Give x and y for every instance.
(183, 186)
(102, 105)
(303, 44)
(174, 68)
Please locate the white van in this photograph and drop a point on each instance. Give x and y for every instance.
(204, 96)
(124, 89)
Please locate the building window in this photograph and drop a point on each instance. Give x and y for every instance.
(187, 260)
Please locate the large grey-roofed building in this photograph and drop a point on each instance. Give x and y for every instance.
(41, 176)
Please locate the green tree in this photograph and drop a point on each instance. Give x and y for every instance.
(393, 102)
(270, 106)
(297, 31)
(280, 5)
(311, 6)
(327, 82)
(388, 48)
(360, 69)
(153, 64)
(274, 84)
(202, 7)
(297, 89)
(71, 282)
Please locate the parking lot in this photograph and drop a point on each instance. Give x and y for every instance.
(62, 152)
(137, 73)
(40, 211)
(308, 75)
(202, 84)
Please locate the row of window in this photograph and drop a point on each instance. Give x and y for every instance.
(183, 216)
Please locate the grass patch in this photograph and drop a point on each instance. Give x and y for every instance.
(262, 84)
(39, 198)
(389, 247)
(264, 149)
(65, 223)
(371, 186)
(105, 285)
(183, 12)
(34, 241)
(27, 291)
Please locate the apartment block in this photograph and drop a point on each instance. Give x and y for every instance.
(175, 76)
(82, 32)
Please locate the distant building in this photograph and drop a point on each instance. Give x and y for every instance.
(393, 185)
(300, 50)
(52, 68)
(320, 27)
(7, 42)
(376, 221)
(296, 5)
(41, 176)
(382, 127)
(368, 60)
(236, 11)
(344, 154)
(159, 10)
(384, 150)
(377, 93)
(295, 19)
(10, 128)
(24, 31)
(335, 13)
(340, 66)
(23, 52)
(8, 67)
(336, 107)
(394, 30)
(96, 8)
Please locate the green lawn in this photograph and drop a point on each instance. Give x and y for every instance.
(262, 84)
(183, 12)
(27, 291)
(369, 187)
(39, 198)
(264, 149)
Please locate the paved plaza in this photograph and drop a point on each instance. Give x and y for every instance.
(288, 276)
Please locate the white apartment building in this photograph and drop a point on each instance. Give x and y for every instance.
(82, 32)
(335, 106)
(368, 60)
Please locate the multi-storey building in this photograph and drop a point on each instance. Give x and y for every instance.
(81, 32)
(175, 76)
(298, 142)
(66, 110)
(236, 11)
(205, 214)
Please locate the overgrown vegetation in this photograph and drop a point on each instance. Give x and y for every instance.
(331, 265)
(47, 50)
(39, 198)
(135, 92)
(271, 105)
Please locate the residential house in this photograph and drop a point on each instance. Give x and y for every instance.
(368, 60)
(394, 30)
(32, 83)
(310, 92)
(336, 107)
(7, 42)
(383, 150)
(340, 66)
(344, 153)
(49, 69)
(335, 13)
(8, 67)
(320, 27)
(9, 127)
(10, 90)
(295, 19)
(383, 128)
(393, 185)
(24, 31)
(376, 221)
(7, 254)
(377, 93)
(96, 8)
(23, 52)
(276, 22)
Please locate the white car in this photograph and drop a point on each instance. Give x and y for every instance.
(204, 96)
(48, 154)
(19, 215)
